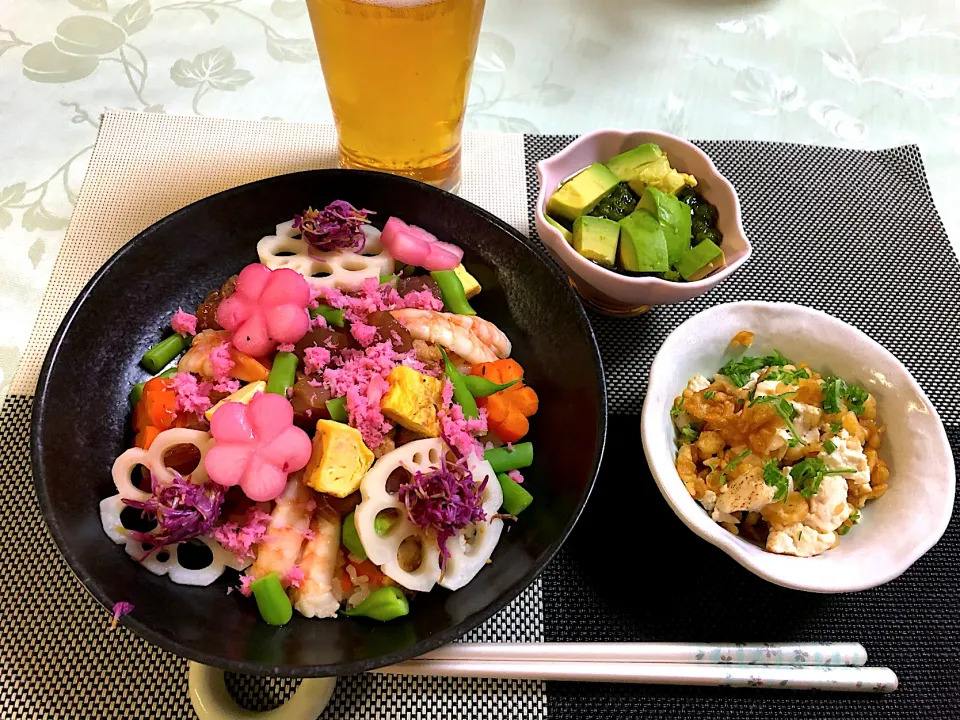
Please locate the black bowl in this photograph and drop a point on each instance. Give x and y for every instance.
(81, 419)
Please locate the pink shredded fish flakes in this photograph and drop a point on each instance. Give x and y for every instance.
(315, 359)
(245, 582)
(119, 610)
(192, 396)
(516, 476)
(361, 378)
(373, 297)
(294, 578)
(241, 537)
(184, 323)
(285, 347)
(460, 432)
(220, 362)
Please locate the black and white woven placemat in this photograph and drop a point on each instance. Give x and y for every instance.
(854, 234)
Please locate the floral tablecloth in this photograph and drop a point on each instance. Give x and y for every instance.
(854, 74)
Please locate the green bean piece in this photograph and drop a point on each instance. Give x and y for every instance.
(137, 392)
(515, 498)
(337, 407)
(384, 522)
(283, 373)
(384, 604)
(156, 358)
(451, 290)
(332, 315)
(272, 600)
(350, 536)
(502, 460)
(481, 387)
(460, 391)
(388, 279)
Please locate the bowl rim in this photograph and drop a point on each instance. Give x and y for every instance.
(669, 482)
(41, 406)
(578, 260)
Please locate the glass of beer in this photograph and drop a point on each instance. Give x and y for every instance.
(397, 73)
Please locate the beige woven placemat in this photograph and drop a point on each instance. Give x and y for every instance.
(147, 165)
(57, 657)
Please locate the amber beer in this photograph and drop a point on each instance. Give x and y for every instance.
(397, 73)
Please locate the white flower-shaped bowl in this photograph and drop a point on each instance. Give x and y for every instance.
(897, 528)
(624, 293)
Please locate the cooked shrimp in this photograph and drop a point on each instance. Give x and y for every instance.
(279, 549)
(198, 359)
(474, 339)
(314, 597)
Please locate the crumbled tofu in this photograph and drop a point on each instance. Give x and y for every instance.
(412, 401)
(698, 383)
(800, 540)
(746, 492)
(709, 500)
(470, 285)
(849, 454)
(806, 423)
(829, 507)
(339, 459)
(243, 395)
(769, 387)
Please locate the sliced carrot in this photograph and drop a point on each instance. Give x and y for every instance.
(513, 428)
(371, 571)
(524, 399)
(146, 437)
(345, 583)
(498, 408)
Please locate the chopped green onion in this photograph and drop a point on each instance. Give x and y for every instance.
(774, 477)
(731, 465)
(677, 407)
(829, 446)
(709, 394)
(835, 427)
(272, 601)
(689, 434)
(808, 474)
(784, 409)
(739, 371)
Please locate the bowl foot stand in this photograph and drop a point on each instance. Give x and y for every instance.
(606, 305)
(211, 701)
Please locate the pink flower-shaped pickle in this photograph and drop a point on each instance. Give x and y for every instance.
(268, 308)
(257, 446)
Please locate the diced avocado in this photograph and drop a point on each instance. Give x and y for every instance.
(596, 239)
(671, 275)
(578, 195)
(567, 235)
(674, 217)
(643, 248)
(700, 261)
(626, 165)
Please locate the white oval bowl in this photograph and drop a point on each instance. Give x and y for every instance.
(897, 528)
(600, 146)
